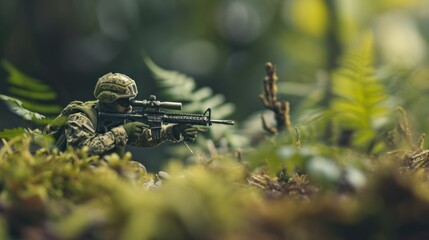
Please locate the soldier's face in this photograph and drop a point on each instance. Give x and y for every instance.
(119, 106)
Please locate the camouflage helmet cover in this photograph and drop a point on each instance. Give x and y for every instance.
(114, 86)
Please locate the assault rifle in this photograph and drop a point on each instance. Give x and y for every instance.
(149, 112)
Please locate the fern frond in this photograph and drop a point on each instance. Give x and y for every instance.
(21, 80)
(44, 108)
(359, 103)
(16, 107)
(174, 84)
(30, 96)
(180, 87)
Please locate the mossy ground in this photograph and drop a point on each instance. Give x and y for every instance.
(49, 195)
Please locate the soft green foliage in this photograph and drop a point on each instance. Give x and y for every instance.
(179, 87)
(71, 192)
(38, 138)
(23, 84)
(359, 106)
(72, 195)
(11, 133)
(409, 86)
(360, 98)
(16, 107)
(32, 94)
(326, 165)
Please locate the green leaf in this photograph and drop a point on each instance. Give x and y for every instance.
(32, 94)
(202, 93)
(42, 108)
(176, 85)
(17, 78)
(11, 133)
(16, 106)
(180, 87)
(224, 111)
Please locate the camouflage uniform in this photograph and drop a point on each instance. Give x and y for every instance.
(81, 132)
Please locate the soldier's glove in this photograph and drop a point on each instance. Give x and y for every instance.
(187, 131)
(134, 130)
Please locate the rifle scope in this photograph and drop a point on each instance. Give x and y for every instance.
(152, 103)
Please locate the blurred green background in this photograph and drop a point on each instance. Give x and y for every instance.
(223, 44)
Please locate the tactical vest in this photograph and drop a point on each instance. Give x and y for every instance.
(57, 127)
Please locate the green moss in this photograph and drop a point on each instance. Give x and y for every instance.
(71, 195)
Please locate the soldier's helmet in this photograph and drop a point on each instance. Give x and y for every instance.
(114, 86)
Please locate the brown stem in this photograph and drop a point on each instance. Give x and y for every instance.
(269, 99)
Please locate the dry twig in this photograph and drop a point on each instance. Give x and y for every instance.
(269, 99)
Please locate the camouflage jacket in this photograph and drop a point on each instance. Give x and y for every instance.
(81, 132)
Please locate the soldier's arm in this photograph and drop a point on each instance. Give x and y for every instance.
(81, 132)
(146, 140)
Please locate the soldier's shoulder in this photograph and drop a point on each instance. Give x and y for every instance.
(79, 106)
(78, 109)
(78, 116)
(80, 119)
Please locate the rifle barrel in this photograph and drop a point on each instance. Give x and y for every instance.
(224, 122)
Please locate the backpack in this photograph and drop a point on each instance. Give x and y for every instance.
(57, 126)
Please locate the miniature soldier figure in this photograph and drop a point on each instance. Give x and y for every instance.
(113, 92)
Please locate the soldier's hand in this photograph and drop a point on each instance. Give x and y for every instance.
(188, 132)
(134, 129)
